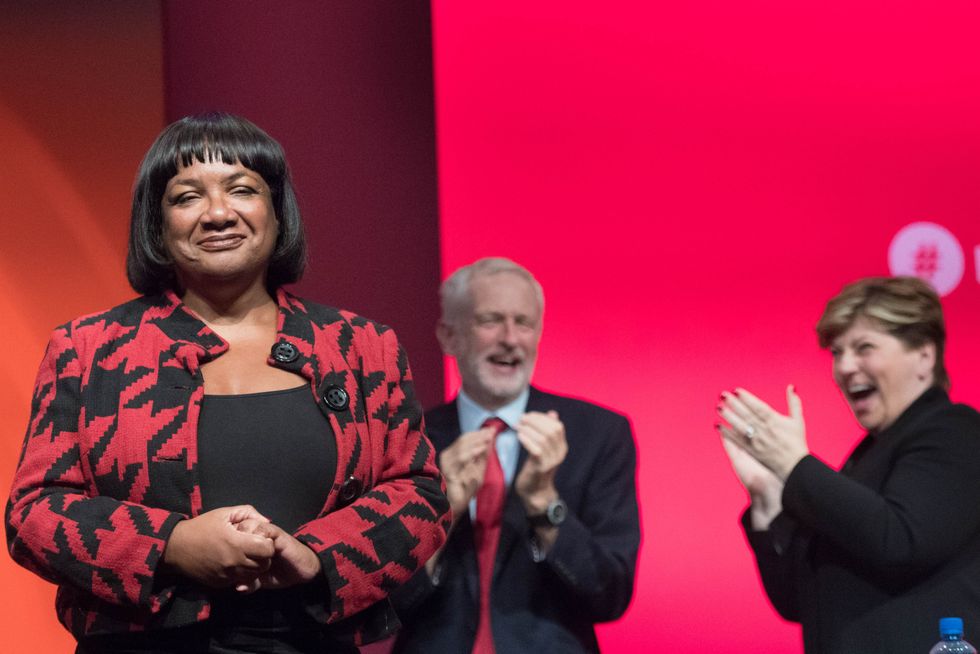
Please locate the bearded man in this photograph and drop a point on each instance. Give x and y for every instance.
(545, 528)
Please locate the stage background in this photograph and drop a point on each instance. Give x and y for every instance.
(81, 98)
(690, 184)
(345, 85)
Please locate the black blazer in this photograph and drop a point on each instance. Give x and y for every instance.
(586, 578)
(870, 558)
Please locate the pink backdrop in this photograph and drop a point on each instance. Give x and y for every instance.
(691, 182)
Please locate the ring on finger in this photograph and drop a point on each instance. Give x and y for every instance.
(749, 432)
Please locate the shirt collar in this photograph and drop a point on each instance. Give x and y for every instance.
(472, 415)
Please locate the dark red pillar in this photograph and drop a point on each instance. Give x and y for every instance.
(346, 87)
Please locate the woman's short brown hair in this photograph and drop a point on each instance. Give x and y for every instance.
(905, 307)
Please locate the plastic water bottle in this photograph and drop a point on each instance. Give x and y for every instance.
(951, 638)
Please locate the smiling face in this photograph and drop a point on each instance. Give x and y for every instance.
(879, 374)
(495, 341)
(218, 223)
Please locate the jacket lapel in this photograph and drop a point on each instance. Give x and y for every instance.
(190, 343)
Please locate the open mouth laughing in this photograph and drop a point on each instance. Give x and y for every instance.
(861, 397)
(858, 392)
(505, 361)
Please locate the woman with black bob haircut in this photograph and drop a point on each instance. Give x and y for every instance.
(219, 465)
(225, 138)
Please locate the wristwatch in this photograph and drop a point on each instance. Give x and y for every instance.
(553, 516)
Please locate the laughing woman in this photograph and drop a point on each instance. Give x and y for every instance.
(218, 465)
(868, 558)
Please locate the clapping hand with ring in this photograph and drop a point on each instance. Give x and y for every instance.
(775, 440)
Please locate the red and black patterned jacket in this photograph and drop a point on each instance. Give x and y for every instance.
(109, 465)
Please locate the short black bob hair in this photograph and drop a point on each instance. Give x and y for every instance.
(209, 137)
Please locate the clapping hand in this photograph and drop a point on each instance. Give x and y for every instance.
(543, 436)
(775, 440)
(764, 487)
(463, 465)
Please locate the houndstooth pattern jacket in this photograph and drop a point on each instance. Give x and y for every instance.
(109, 465)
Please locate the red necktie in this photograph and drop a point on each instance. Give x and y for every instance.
(489, 510)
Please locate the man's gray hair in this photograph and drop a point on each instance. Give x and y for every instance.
(454, 294)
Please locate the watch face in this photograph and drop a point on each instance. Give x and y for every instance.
(557, 511)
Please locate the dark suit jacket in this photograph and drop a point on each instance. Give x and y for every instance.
(870, 558)
(586, 578)
(109, 465)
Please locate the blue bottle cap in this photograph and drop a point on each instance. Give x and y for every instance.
(950, 626)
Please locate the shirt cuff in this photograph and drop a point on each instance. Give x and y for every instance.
(538, 554)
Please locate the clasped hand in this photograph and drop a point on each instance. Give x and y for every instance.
(464, 463)
(238, 546)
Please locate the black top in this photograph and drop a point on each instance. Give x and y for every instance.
(271, 450)
(275, 451)
(868, 559)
